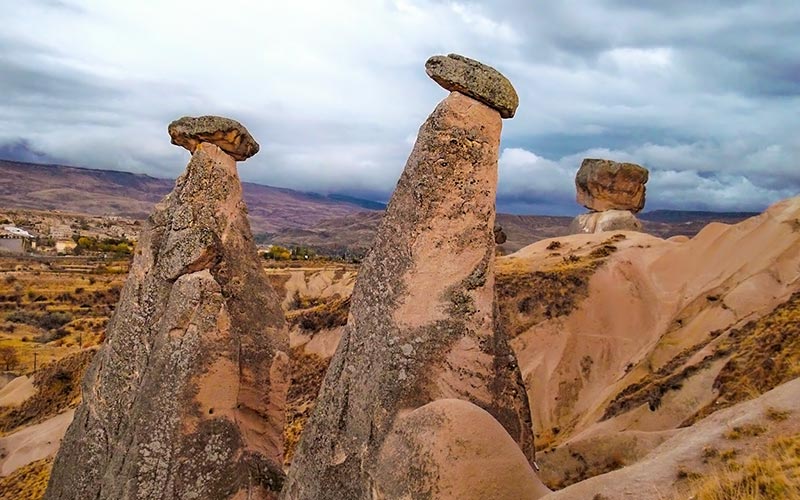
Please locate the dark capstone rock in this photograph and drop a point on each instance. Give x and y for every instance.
(229, 135)
(499, 235)
(481, 82)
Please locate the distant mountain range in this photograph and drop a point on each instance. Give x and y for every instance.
(332, 223)
(105, 192)
(678, 216)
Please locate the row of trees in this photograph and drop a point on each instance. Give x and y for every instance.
(105, 245)
(277, 252)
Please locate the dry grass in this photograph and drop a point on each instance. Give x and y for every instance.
(763, 354)
(308, 370)
(36, 294)
(28, 482)
(319, 314)
(526, 297)
(743, 431)
(777, 415)
(771, 476)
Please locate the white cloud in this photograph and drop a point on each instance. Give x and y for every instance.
(659, 58)
(702, 94)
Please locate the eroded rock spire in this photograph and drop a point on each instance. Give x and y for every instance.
(421, 326)
(186, 397)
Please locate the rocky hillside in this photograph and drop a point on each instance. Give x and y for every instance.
(354, 233)
(657, 336)
(626, 338)
(332, 224)
(611, 345)
(105, 192)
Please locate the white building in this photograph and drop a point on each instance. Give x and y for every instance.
(16, 240)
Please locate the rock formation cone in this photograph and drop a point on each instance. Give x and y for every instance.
(186, 397)
(421, 326)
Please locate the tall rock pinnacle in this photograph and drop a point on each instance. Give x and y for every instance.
(421, 326)
(186, 397)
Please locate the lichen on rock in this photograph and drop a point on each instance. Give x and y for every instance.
(186, 398)
(475, 79)
(422, 316)
(228, 135)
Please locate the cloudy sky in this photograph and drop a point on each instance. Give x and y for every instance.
(704, 94)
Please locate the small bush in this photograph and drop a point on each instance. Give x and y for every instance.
(54, 320)
(777, 415)
(44, 320)
(603, 251)
(768, 477)
(24, 317)
(747, 430)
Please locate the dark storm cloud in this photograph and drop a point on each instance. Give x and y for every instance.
(33, 83)
(705, 94)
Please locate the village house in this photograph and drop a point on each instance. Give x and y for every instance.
(65, 246)
(16, 240)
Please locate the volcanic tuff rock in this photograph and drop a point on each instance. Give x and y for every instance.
(229, 135)
(608, 220)
(477, 80)
(421, 325)
(446, 442)
(608, 185)
(186, 397)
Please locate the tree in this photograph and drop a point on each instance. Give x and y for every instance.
(9, 357)
(278, 252)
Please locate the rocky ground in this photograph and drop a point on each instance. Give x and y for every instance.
(686, 357)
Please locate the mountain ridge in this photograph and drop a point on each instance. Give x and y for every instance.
(331, 223)
(110, 192)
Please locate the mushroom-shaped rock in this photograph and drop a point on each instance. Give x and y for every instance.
(229, 135)
(186, 397)
(422, 317)
(461, 74)
(608, 185)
